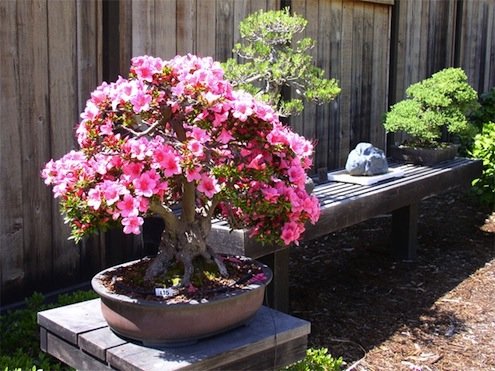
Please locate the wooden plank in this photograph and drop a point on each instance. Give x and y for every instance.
(490, 54)
(64, 113)
(165, 28)
(71, 355)
(309, 114)
(383, 2)
(298, 7)
(206, 28)
(380, 75)
(186, 27)
(241, 11)
(70, 321)
(143, 24)
(224, 40)
(346, 83)
(34, 127)
(267, 328)
(11, 195)
(98, 341)
(125, 37)
(273, 359)
(335, 68)
(43, 339)
(356, 73)
(365, 103)
(322, 118)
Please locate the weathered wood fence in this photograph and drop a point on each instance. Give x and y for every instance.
(54, 53)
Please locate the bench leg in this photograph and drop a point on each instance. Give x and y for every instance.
(404, 232)
(277, 296)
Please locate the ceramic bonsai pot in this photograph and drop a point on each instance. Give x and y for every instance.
(423, 156)
(157, 323)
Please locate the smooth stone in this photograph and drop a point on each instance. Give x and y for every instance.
(366, 159)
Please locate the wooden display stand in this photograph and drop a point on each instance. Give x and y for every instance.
(79, 336)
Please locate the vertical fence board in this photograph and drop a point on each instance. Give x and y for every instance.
(298, 7)
(322, 132)
(224, 40)
(11, 191)
(476, 43)
(205, 28)
(186, 27)
(143, 27)
(35, 144)
(309, 115)
(346, 82)
(334, 71)
(165, 43)
(62, 58)
(380, 76)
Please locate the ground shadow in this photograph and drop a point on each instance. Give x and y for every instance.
(356, 296)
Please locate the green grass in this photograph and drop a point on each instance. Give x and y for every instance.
(19, 340)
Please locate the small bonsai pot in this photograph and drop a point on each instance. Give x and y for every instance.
(423, 156)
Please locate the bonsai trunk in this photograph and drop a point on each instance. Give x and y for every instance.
(184, 239)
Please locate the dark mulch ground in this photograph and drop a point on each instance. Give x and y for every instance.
(437, 313)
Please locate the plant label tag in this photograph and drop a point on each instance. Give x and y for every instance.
(165, 292)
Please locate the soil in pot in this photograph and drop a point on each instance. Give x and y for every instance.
(206, 284)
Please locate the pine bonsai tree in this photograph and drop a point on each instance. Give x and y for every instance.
(440, 102)
(274, 59)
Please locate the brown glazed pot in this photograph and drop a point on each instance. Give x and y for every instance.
(423, 156)
(159, 323)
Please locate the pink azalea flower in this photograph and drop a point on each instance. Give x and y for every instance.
(208, 186)
(144, 185)
(195, 147)
(170, 164)
(94, 198)
(291, 232)
(128, 206)
(141, 102)
(132, 169)
(225, 137)
(132, 224)
(193, 174)
(111, 191)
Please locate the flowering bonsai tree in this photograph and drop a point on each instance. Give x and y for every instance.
(173, 135)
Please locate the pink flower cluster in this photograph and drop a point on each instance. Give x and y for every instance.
(178, 121)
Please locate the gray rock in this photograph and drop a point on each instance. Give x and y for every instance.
(366, 159)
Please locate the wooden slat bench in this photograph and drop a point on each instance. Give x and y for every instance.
(78, 335)
(343, 205)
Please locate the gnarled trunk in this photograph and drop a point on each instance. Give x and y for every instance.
(183, 244)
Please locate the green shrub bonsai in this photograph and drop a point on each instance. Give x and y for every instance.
(274, 59)
(438, 103)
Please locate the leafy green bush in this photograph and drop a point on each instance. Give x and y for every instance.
(317, 360)
(274, 59)
(438, 103)
(484, 149)
(486, 111)
(19, 340)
